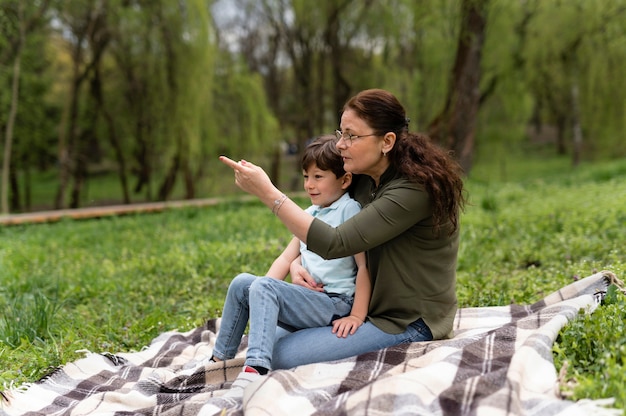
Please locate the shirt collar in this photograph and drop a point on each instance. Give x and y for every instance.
(316, 208)
(388, 175)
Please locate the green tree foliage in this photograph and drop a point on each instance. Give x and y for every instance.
(418, 47)
(153, 91)
(146, 83)
(538, 53)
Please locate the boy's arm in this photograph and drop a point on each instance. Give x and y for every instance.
(348, 325)
(363, 290)
(301, 276)
(280, 267)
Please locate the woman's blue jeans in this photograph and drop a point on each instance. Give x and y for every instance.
(315, 345)
(268, 303)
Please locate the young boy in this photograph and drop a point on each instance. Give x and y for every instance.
(338, 296)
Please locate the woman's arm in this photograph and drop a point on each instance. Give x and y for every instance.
(348, 325)
(281, 265)
(399, 206)
(253, 180)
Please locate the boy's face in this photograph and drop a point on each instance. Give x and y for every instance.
(322, 185)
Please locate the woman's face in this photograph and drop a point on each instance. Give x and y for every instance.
(365, 155)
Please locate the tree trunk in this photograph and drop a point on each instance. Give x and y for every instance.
(170, 179)
(8, 140)
(577, 129)
(341, 86)
(67, 141)
(28, 201)
(275, 166)
(455, 127)
(96, 91)
(561, 125)
(14, 201)
(142, 157)
(79, 173)
(13, 47)
(190, 183)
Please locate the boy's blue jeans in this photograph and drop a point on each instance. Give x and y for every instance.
(267, 303)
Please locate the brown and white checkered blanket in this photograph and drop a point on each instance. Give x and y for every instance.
(498, 363)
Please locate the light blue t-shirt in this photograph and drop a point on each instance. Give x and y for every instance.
(337, 275)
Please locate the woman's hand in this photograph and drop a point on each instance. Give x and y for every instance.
(300, 277)
(253, 180)
(249, 177)
(346, 326)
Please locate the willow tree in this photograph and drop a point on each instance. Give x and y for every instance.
(84, 21)
(134, 92)
(282, 42)
(298, 29)
(156, 88)
(188, 61)
(215, 104)
(575, 73)
(175, 96)
(418, 41)
(242, 121)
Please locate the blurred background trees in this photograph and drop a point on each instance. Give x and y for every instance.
(147, 93)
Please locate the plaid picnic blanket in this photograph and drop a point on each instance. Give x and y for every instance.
(499, 362)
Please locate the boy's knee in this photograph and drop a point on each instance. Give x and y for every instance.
(264, 285)
(241, 283)
(260, 284)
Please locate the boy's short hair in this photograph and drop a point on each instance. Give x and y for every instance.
(324, 153)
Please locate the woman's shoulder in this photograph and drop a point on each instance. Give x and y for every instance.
(403, 192)
(393, 178)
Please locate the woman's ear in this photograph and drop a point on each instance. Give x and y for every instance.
(346, 180)
(389, 140)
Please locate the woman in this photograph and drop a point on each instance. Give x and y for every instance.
(411, 192)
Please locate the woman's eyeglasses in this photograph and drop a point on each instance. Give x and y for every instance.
(348, 138)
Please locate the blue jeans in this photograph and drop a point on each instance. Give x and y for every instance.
(268, 303)
(314, 345)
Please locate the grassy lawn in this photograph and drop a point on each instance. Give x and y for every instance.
(114, 284)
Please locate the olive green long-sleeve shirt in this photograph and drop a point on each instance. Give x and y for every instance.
(413, 271)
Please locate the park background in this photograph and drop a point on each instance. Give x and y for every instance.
(129, 101)
(125, 101)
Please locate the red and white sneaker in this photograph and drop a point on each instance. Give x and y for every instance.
(247, 376)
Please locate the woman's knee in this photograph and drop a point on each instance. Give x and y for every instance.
(305, 346)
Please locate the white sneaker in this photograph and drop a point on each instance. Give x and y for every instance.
(247, 376)
(200, 362)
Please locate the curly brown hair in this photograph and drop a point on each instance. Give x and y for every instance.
(414, 155)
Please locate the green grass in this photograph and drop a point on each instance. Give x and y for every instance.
(116, 283)
(595, 364)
